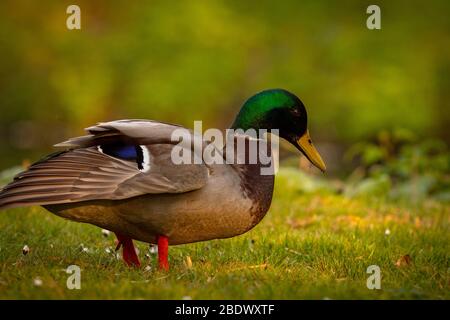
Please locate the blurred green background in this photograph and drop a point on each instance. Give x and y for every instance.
(378, 103)
(180, 61)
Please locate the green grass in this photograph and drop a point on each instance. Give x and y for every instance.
(311, 245)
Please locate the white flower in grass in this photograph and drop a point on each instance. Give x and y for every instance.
(25, 250)
(84, 249)
(105, 232)
(387, 232)
(153, 249)
(37, 282)
(186, 298)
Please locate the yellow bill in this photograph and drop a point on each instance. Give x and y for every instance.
(306, 146)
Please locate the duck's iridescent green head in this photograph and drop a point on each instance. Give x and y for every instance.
(282, 110)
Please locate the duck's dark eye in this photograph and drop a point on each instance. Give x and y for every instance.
(295, 112)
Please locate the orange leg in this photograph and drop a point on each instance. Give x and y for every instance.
(129, 252)
(163, 252)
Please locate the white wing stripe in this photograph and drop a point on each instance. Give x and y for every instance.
(146, 159)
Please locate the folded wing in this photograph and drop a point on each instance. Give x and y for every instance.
(117, 160)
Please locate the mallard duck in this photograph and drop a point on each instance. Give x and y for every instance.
(121, 177)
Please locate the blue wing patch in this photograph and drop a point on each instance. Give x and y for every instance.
(124, 152)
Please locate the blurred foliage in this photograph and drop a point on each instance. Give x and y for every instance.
(398, 166)
(301, 182)
(7, 175)
(180, 61)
